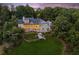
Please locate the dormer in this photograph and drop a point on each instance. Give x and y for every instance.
(25, 20)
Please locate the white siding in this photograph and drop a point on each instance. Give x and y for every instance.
(20, 25)
(44, 28)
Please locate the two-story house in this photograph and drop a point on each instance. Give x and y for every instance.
(34, 24)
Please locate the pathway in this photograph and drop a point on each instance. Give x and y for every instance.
(65, 46)
(1, 49)
(5, 45)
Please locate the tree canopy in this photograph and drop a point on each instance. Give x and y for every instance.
(26, 11)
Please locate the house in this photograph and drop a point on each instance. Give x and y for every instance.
(34, 24)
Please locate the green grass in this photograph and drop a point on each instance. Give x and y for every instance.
(50, 46)
(30, 35)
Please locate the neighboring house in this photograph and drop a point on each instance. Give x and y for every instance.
(33, 24)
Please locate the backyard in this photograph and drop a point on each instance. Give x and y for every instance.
(40, 47)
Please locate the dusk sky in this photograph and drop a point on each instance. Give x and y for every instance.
(42, 5)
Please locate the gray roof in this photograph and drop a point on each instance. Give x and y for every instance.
(20, 21)
(33, 20)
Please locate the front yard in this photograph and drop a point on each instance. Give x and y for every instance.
(50, 46)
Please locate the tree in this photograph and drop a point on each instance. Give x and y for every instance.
(20, 11)
(73, 37)
(5, 13)
(75, 16)
(11, 33)
(76, 25)
(67, 31)
(61, 27)
(4, 16)
(26, 11)
(37, 13)
(47, 13)
(29, 11)
(61, 23)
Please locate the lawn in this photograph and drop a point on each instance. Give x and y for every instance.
(50, 46)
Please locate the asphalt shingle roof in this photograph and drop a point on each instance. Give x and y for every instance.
(20, 21)
(33, 20)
